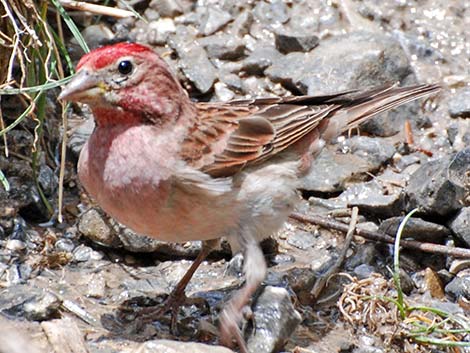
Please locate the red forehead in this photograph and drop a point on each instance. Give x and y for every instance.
(106, 55)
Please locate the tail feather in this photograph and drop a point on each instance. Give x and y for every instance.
(371, 103)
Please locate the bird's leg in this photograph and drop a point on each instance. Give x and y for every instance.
(177, 295)
(231, 317)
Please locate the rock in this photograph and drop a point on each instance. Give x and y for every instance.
(222, 92)
(459, 287)
(373, 198)
(167, 8)
(459, 103)
(65, 245)
(376, 151)
(274, 319)
(301, 240)
(80, 135)
(193, 62)
(225, 47)
(213, 19)
(354, 60)
(438, 187)
(167, 346)
(93, 226)
(158, 31)
(364, 271)
(287, 42)
(96, 286)
(43, 307)
(330, 172)
(460, 225)
(272, 12)
(29, 302)
(415, 228)
(260, 59)
(47, 180)
(84, 253)
(242, 24)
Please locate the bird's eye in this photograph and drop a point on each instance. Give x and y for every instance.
(125, 67)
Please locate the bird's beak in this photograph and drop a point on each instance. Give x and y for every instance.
(84, 87)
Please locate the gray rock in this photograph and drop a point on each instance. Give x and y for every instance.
(332, 171)
(301, 240)
(84, 253)
(225, 47)
(167, 8)
(416, 228)
(354, 60)
(260, 59)
(364, 271)
(80, 135)
(47, 180)
(29, 302)
(159, 31)
(92, 224)
(376, 151)
(374, 198)
(459, 103)
(275, 319)
(242, 24)
(193, 62)
(167, 346)
(459, 287)
(460, 225)
(272, 12)
(213, 19)
(66, 245)
(438, 187)
(42, 307)
(287, 41)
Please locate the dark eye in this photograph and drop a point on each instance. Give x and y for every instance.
(125, 67)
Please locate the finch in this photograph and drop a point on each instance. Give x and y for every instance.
(177, 170)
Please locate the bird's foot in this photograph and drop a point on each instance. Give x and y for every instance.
(230, 319)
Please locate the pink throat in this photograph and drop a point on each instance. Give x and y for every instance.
(113, 116)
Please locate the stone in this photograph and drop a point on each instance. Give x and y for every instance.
(242, 24)
(376, 151)
(80, 135)
(459, 103)
(287, 42)
(301, 240)
(193, 62)
(459, 287)
(167, 346)
(438, 186)
(43, 307)
(272, 12)
(460, 225)
(158, 31)
(331, 172)
(225, 47)
(93, 225)
(416, 228)
(374, 198)
(260, 59)
(274, 320)
(213, 19)
(167, 8)
(350, 61)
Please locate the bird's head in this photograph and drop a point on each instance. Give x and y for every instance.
(126, 82)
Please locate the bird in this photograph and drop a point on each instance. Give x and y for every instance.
(178, 170)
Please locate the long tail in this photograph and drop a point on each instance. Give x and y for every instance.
(366, 104)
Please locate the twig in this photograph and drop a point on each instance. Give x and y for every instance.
(408, 244)
(96, 9)
(321, 282)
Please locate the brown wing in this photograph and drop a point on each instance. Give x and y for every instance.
(230, 136)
